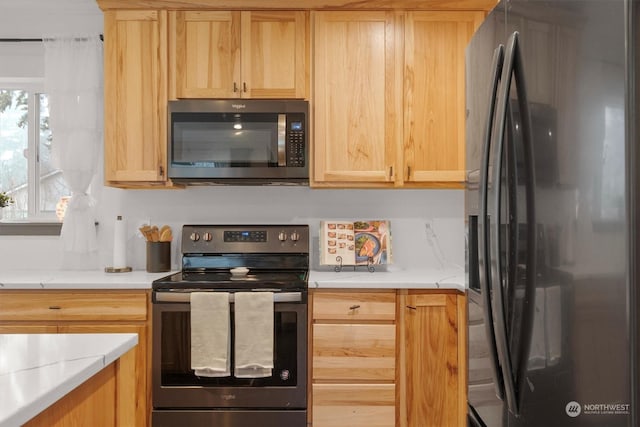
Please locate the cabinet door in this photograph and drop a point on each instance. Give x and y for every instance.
(434, 335)
(274, 54)
(135, 96)
(205, 47)
(434, 96)
(132, 376)
(354, 405)
(231, 54)
(354, 352)
(357, 110)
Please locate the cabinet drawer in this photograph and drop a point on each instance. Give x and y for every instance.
(354, 352)
(354, 306)
(74, 305)
(352, 405)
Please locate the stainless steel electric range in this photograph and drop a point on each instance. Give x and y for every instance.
(277, 259)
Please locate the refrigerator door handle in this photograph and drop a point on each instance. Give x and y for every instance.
(528, 310)
(483, 243)
(513, 379)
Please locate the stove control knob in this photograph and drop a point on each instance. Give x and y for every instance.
(282, 236)
(295, 236)
(194, 237)
(207, 236)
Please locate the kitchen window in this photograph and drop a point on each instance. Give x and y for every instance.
(27, 171)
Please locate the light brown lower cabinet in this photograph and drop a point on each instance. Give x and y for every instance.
(432, 367)
(92, 311)
(349, 405)
(93, 403)
(387, 358)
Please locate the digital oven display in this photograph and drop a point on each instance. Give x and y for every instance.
(245, 236)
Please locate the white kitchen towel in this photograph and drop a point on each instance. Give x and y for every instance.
(210, 338)
(254, 334)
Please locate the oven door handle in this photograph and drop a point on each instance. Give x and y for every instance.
(175, 295)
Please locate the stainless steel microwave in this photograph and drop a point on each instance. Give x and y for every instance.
(255, 142)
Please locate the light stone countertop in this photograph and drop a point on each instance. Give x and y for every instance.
(390, 278)
(446, 278)
(36, 370)
(77, 279)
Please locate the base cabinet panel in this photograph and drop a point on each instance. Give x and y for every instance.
(392, 358)
(433, 359)
(85, 312)
(92, 403)
(354, 352)
(349, 405)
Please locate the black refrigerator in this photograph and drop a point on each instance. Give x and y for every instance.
(551, 205)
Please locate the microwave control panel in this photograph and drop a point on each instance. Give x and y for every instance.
(295, 140)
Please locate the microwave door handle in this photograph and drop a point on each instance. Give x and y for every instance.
(282, 143)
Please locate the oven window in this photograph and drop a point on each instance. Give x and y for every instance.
(224, 139)
(176, 353)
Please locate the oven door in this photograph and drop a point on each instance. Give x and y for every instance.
(176, 386)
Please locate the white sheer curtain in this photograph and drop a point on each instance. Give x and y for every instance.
(73, 82)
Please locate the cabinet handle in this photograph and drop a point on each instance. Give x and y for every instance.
(54, 307)
(161, 170)
(411, 307)
(354, 307)
(391, 172)
(408, 173)
(235, 87)
(244, 86)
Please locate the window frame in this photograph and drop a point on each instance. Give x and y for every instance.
(36, 223)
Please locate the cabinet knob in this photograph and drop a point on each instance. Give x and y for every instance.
(411, 307)
(54, 307)
(354, 307)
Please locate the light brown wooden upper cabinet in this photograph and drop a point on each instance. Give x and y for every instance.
(357, 108)
(389, 98)
(135, 84)
(434, 95)
(233, 54)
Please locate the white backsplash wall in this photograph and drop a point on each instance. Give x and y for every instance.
(427, 225)
(409, 210)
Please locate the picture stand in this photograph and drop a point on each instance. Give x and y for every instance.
(369, 266)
